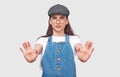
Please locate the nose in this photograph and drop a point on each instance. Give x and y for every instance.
(58, 21)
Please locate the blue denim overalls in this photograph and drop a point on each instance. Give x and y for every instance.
(58, 59)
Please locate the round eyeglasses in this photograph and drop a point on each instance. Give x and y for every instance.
(58, 20)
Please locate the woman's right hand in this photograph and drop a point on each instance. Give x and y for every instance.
(29, 53)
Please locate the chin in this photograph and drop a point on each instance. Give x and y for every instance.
(58, 30)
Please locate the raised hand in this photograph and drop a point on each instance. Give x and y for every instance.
(29, 53)
(85, 52)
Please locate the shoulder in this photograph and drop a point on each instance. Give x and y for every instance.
(42, 40)
(75, 37)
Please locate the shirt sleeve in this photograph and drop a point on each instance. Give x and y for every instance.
(43, 42)
(73, 41)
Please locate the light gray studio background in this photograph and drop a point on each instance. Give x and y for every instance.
(26, 20)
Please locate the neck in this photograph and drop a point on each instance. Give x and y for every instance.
(58, 33)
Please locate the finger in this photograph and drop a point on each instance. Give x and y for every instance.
(79, 50)
(86, 44)
(37, 52)
(21, 50)
(24, 45)
(89, 45)
(28, 44)
(92, 50)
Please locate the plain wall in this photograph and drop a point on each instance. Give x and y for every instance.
(26, 20)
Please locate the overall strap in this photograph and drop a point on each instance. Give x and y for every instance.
(66, 38)
(49, 39)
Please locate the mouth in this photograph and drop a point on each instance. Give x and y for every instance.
(58, 26)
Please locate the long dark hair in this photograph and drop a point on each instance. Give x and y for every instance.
(68, 30)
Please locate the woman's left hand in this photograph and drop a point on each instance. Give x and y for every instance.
(85, 52)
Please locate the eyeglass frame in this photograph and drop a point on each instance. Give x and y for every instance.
(61, 19)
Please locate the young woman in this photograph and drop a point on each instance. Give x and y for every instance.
(58, 46)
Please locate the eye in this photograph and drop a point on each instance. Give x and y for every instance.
(62, 17)
(54, 17)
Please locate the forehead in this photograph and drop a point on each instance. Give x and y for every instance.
(58, 15)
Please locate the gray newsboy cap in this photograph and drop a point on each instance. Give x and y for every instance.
(58, 9)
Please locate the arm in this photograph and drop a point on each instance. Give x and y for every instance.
(84, 52)
(30, 53)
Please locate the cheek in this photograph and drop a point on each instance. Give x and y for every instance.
(66, 22)
(64, 25)
(50, 22)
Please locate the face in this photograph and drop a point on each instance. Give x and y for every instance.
(58, 22)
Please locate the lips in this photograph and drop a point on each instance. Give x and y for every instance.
(58, 26)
